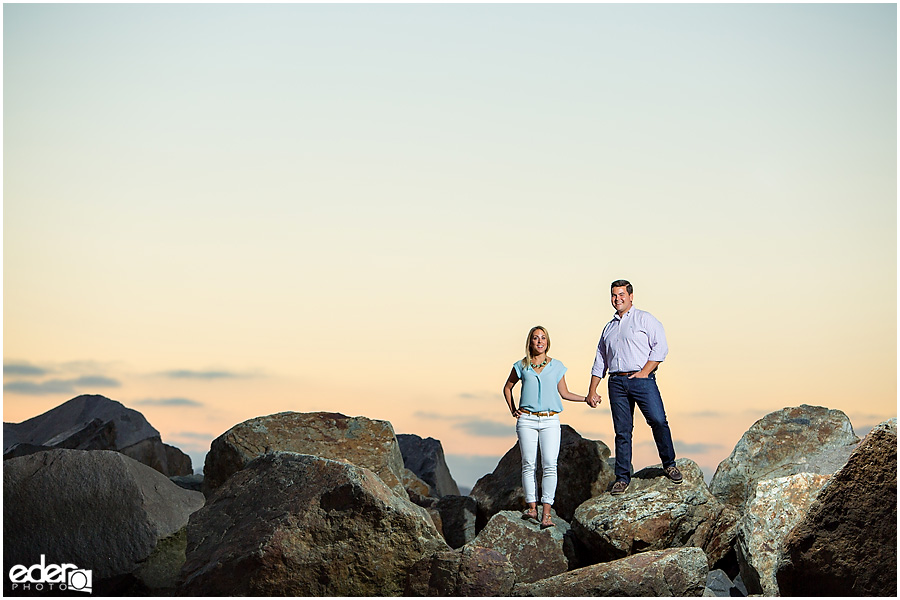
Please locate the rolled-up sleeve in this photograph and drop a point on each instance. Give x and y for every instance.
(599, 368)
(657, 337)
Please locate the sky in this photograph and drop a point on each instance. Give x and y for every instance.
(215, 212)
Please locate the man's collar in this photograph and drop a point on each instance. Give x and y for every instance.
(627, 312)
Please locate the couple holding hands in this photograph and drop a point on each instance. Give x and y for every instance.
(631, 347)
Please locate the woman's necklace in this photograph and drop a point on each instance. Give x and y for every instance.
(534, 366)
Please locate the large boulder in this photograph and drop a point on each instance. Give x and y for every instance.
(98, 510)
(778, 506)
(363, 442)
(458, 518)
(535, 553)
(654, 514)
(298, 525)
(847, 544)
(93, 422)
(583, 471)
(673, 572)
(425, 458)
(469, 571)
(802, 439)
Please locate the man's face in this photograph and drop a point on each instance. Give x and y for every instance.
(621, 299)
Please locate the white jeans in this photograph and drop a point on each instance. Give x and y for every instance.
(531, 431)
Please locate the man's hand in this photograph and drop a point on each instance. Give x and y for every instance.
(593, 399)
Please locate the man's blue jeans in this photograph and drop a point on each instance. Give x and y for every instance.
(624, 393)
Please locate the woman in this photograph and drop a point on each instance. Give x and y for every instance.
(543, 383)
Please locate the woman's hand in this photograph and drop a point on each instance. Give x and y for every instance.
(517, 413)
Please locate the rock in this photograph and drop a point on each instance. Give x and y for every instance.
(673, 572)
(654, 514)
(458, 515)
(299, 525)
(778, 506)
(93, 422)
(847, 544)
(363, 442)
(582, 470)
(535, 553)
(469, 571)
(425, 458)
(416, 489)
(188, 482)
(719, 585)
(98, 510)
(804, 439)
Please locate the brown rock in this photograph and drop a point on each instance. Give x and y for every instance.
(847, 545)
(582, 470)
(363, 442)
(300, 525)
(469, 571)
(654, 514)
(802, 439)
(535, 553)
(673, 572)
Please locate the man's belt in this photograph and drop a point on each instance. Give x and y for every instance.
(623, 373)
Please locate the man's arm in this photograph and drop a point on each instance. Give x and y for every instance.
(645, 371)
(593, 398)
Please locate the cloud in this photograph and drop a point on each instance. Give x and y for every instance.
(430, 415)
(187, 374)
(486, 428)
(23, 370)
(705, 414)
(168, 402)
(195, 435)
(59, 386)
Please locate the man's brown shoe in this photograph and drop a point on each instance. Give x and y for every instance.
(619, 487)
(674, 474)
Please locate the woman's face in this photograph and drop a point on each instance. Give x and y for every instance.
(538, 342)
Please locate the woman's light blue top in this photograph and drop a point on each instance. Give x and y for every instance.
(539, 391)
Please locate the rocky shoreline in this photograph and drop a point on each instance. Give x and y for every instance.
(322, 504)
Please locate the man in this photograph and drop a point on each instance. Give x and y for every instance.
(631, 348)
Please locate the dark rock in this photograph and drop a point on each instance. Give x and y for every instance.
(363, 442)
(535, 553)
(779, 505)
(458, 515)
(719, 585)
(93, 422)
(654, 514)
(673, 572)
(469, 571)
(300, 525)
(847, 544)
(98, 510)
(188, 482)
(582, 470)
(425, 458)
(804, 439)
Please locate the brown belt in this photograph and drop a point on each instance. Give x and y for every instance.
(624, 373)
(548, 413)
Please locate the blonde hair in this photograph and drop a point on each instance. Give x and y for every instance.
(526, 362)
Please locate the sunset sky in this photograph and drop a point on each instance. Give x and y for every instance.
(216, 212)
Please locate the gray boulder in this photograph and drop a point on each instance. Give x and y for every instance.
(363, 442)
(458, 518)
(673, 572)
(469, 571)
(92, 422)
(299, 525)
(847, 544)
(425, 458)
(778, 506)
(583, 471)
(719, 585)
(535, 553)
(654, 514)
(98, 510)
(803, 439)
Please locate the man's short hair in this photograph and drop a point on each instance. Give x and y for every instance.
(622, 283)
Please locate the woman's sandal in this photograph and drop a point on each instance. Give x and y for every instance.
(530, 513)
(546, 523)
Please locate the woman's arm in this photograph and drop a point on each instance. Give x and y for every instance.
(566, 394)
(511, 381)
